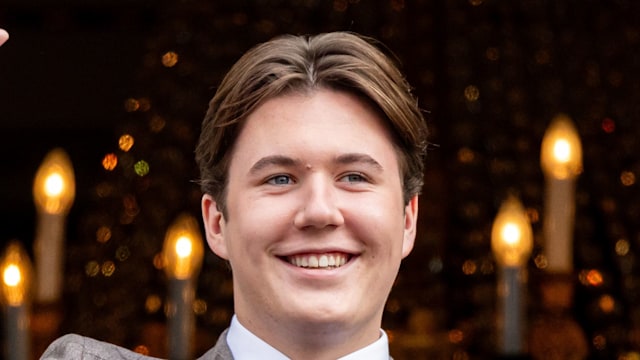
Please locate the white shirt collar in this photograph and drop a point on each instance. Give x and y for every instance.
(244, 345)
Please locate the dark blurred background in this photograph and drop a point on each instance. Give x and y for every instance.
(64, 76)
(491, 75)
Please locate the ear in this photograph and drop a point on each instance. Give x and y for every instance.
(214, 225)
(410, 223)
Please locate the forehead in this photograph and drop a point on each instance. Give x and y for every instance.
(312, 123)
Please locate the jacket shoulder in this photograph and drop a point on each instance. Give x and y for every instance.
(220, 351)
(74, 346)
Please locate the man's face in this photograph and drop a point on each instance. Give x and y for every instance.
(316, 226)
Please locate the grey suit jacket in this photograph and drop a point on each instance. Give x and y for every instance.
(72, 347)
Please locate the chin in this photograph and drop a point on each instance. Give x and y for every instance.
(324, 322)
(339, 314)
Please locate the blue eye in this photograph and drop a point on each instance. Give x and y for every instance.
(280, 180)
(354, 177)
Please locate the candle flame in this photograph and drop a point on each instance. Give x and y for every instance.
(15, 267)
(561, 152)
(54, 184)
(511, 235)
(183, 249)
(11, 275)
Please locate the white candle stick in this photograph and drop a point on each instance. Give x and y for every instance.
(181, 319)
(15, 271)
(511, 310)
(561, 161)
(558, 225)
(48, 252)
(17, 332)
(511, 241)
(53, 193)
(183, 252)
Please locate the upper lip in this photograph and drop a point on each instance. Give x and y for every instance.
(323, 250)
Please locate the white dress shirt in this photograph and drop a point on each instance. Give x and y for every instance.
(245, 345)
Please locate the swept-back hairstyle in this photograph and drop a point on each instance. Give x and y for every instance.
(339, 60)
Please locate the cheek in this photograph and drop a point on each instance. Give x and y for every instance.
(256, 224)
(382, 225)
(383, 210)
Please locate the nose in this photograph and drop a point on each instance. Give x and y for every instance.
(318, 205)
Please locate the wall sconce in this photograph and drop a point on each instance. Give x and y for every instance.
(182, 252)
(54, 190)
(561, 162)
(512, 242)
(15, 269)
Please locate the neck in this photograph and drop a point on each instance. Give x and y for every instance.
(316, 341)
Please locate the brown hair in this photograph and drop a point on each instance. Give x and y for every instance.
(338, 60)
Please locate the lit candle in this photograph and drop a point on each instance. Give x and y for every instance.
(183, 252)
(512, 242)
(16, 273)
(53, 193)
(561, 161)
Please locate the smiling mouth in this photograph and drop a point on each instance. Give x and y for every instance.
(318, 261)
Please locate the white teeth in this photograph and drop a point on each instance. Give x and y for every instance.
(313, 261)
(331, 261)
(324, 261)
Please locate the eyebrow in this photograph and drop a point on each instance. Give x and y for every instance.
(285, 161)
(271, 160)
(352, 158)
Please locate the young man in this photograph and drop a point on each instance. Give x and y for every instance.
(311, 159)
